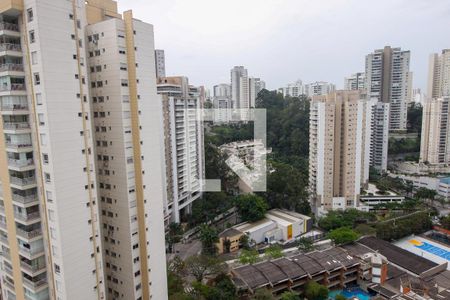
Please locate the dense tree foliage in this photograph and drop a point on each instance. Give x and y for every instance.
(414, 122)
(210, 206)
(273, 252)
(401, 227)
(251, 207)
(343, 235)
(263, 294)
(202, 265)
(221, 288)
(209, 237)
(250, 256)
(404, 145)
(315, 291)
(305, 244)
(346, 218)
(290, 296)
(445, 222)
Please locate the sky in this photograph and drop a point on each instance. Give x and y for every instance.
(281, 41)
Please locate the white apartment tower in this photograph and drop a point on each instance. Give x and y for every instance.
(49, 213)
(237, 73)
(295, 89)
(388, 81)
(355, 81)
(340, 125)
(127, 116)
(160, 63)
(183, 134)
(222, 90)
(319, 88)
(435, 138)
(439, 74)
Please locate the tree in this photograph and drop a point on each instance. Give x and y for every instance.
(364, 229)
(263, 294)
(340, 297)
(251, 207)
(244, 242)
(315, 291)
(273, 252)
(343, 235)
(445, 222)
(249, 256)
(175, 283)
(305, 244)
(174, 235)
(425, 194)
(223, 283)
(200, 266)
(209, 238)
(290, 296)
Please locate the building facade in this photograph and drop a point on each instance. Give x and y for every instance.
(388, 80)
(379, 136)
(129, 148)
(340, 127)
(222, 90)
(319, 88)
(295, 89)
(435, 137)
(160, 63)
(439, 74)
(356, 81)
(183, 134)
(237, 75)
(50, 229)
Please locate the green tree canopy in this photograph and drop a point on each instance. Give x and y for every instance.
(343, 235)
(273, 252)
(249, 256)
(263, 294)
(290, 296)
(251, 207)
(305, 244)
(200, 266)
(315, 291)
(209, 237)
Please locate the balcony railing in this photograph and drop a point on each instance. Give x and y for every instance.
(13, 87)
(11, 67)
(27, 217)
(9, 26)
(16, 125)
(13, 107)
(29, 235)
(31, 268)
(24, 199)
(20, 163)
(23, 181)
(17, 145)
(10, 47)
(34, 284)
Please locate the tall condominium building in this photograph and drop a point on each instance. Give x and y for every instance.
(439, 74)
(160, 63)
(295, 89)
(183, 133)
(340, 125)
(319, 88)
(237, 73)
(255, 86)
(388, 81)
(379, 136)
(222, 109)
(355, 81)
(435, 138)
(129, 146)
(222, 90)
(82, 190)
(49, 208)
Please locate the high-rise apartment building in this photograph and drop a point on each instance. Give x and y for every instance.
(319, 88)
(355, 81)
(237, 75)
(295, 89)
(255, 86)
(129, 147)
(222, 109)
(379, 136)
(435, 138)
(82, 188)
(222, 90)
(439, 74)
(340, 125)
(49, 227)
(183, 133)
(388, 81)
(160, 63)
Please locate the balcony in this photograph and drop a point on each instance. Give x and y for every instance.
(11, 47)
(29, 235)
(9, 26)
(24, 199)
(35, 283)
(18, 108)
(32, 268)
(23, 182)
(19, 147)
(21, 164)
(27, 217)
(12, 87)
(16, 127)
(10, 67)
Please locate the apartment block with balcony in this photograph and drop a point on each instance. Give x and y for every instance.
(340, 127)
(183, 133)
(129, 147)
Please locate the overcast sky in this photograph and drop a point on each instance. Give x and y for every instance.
(284, 40)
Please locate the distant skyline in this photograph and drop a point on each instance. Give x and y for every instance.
(281, 41)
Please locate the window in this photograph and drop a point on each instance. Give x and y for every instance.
(41, 119)
(49, 196)
(51, 215)
(43, 138)
(57, 269)
(38, 98)
(34, 59)
(47, 177)
(32, 36)
(30, 14)
(37, 79)
(53, 233)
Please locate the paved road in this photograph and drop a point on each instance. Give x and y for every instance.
(186, 250)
